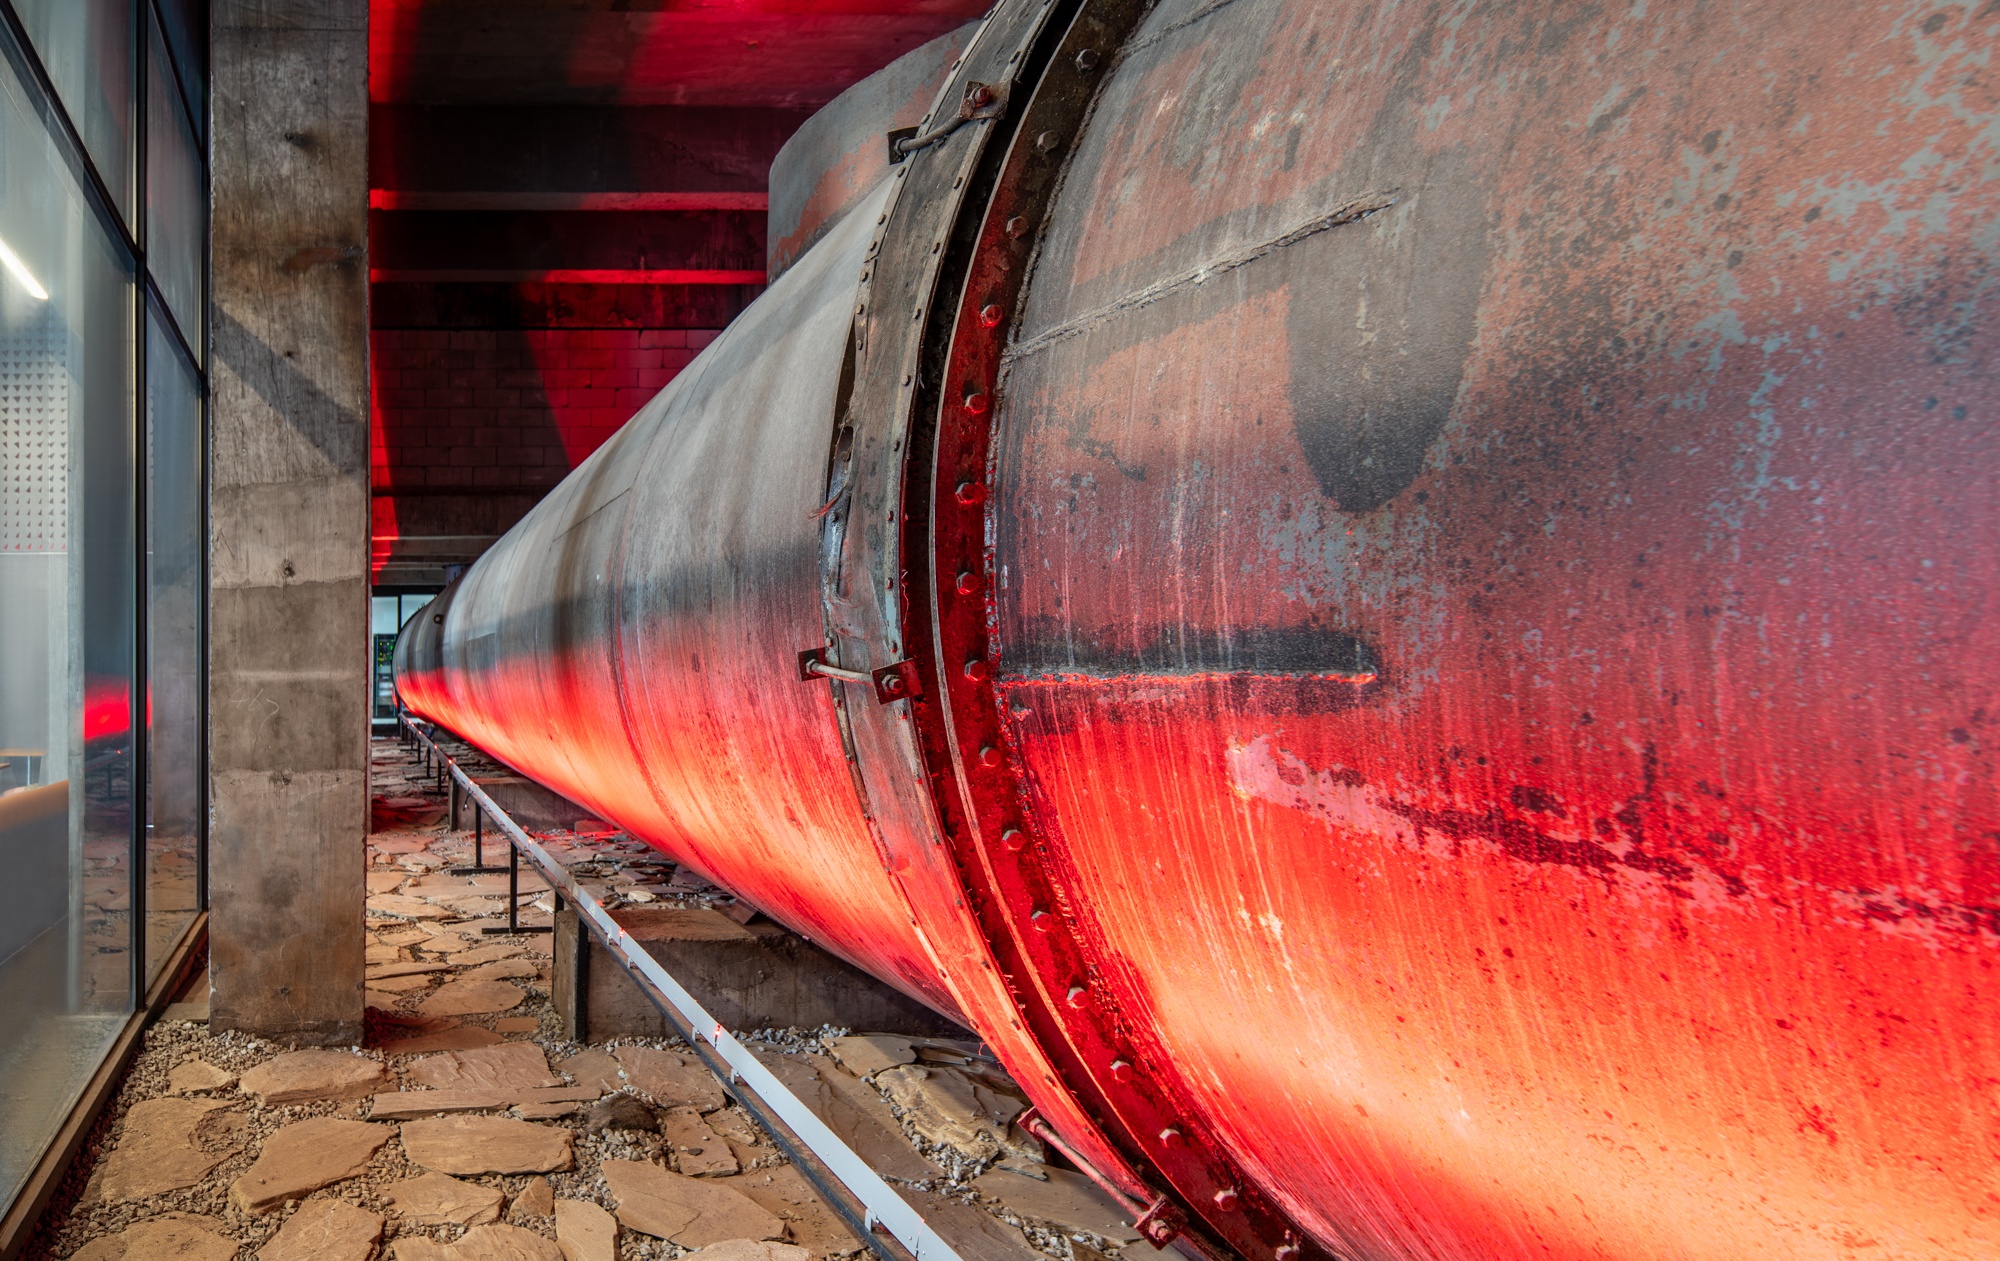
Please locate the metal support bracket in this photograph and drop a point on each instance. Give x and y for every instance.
(813, 666)
(897, 681)
(479, 841)
(981, 101)
(1160, 1221)
(449, 769)
(514, 925)
(897, 139)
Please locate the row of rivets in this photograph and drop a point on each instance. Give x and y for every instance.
(1014, 840)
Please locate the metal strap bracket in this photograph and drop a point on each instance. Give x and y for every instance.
(897, 681)
(1159, 1221)
(981, 101)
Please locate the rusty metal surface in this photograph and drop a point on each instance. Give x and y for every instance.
(1615, 389)
(838, 156)
(1446, 554)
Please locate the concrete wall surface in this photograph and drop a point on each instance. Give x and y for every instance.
(289, 664)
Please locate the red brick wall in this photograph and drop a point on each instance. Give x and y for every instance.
(510, 408)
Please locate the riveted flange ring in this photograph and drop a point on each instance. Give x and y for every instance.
(1190, 1183)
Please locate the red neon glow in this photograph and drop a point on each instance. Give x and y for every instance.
(760, 52)
(107, 708)
(502, 410)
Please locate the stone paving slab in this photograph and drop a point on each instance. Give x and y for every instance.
(162, 1149)
(406, 1105)
(585, 1231)
(325, 1230)
(514, 1066)
(305, 1156)
(172, 1237)
(306, 1075)
(438, 1199)
(472, 998)
(691, 1212)
(480, 1144)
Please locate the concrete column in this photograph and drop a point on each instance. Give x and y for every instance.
(288, 654)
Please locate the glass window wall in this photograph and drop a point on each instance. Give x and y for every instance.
(175, 211)
(387, 615)
(174, 590)
(186, 26)
(66, 634)
(89, 48)
(102, 545)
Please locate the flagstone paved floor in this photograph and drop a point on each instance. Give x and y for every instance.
(468, 1129)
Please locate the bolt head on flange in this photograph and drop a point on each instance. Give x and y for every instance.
(989, 315)
(975, 402)
(969, 493)
(1121, 1071)
(1227, 1199)
(977, 669)
(1172, 1137)
(1014, 839)
(968, 582)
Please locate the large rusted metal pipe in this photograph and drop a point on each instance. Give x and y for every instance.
(1394, 602)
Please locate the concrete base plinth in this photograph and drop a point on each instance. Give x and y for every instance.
(534, 807)
(756, 976)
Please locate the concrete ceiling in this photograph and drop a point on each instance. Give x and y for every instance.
(788, 54)
(557, 183)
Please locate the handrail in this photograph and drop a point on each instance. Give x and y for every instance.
(780, 1111)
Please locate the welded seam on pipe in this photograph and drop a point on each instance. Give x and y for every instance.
(1352, 211)
(1172, 28)
(883, 1205)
